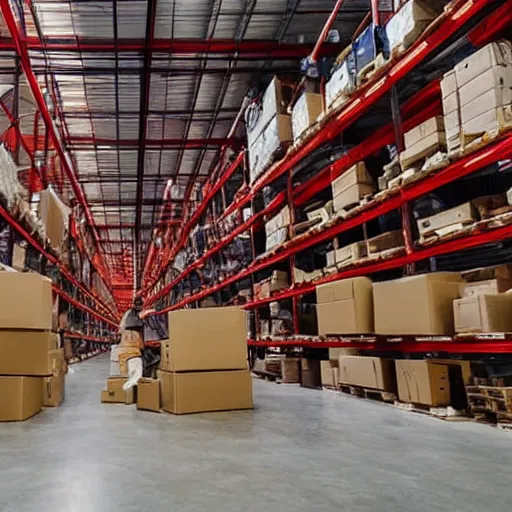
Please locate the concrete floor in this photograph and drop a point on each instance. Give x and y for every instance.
(299, 450)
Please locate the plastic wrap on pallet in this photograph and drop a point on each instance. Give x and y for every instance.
(343, 79)
(408, 23)
(368, 45)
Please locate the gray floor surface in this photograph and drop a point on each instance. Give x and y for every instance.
(299, 450)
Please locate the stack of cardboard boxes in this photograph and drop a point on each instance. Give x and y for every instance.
(277, 229)
(305, 113)
(477, 95)
(203, 366)
(349, 188)
(32, 367)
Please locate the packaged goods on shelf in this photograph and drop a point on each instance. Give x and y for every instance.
(345, 307)
(451, 111)
(303, 277)
(193, 392)
(265, 328)
(423, 141)
(349, 188)
(417, 305)
(280, 327)
(385, 242)
(342, 82)
(488, 287)
(305, 113)
(483, 313)
(330, 373)
(25, 301)
(310, 373)
(148, 395)
(406, 26)
(448, 220)
(205, 339)
(423, 382)
(368, 372)
(368, 46)
(20, 398)
(55, 216)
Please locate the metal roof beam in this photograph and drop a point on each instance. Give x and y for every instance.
(91, 143)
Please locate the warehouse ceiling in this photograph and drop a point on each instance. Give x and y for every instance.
(147, 91)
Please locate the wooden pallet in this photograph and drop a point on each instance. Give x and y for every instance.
(490, 399)
(369, 394)
(442, 413)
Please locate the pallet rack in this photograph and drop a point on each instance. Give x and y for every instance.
(491, 20)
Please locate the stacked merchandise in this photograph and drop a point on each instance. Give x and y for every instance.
(203, 366)
(277, 229)
(269, 129)
(305, 113)
(349, 188)
(477, 95)
(32, 366)
(55, 217)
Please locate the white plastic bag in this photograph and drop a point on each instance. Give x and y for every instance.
(134, 372)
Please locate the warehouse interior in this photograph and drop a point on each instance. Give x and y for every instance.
(254, 248)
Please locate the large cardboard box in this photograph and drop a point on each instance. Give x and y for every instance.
(417, 305)
(330, 373)
(207, 339)
(462, 214)
(185, 393)
(25, 301)
(18, 257)
(27, 352)
(483, 313)
(487, 102)
(54, 390)
(148, 395)
(310, 373)
(423, 382)
(367, 372)
(345, 307)
(305, 112)
(20, 398)
(55, 216)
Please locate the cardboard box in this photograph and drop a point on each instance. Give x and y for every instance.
(305, 113)
(54, 390)
(310, 373)
(492, 55)
(385, 242)
(115, 394)
(449, 85)
(18, 257)
(432, 126)
(278, 281)
(207, 339)
(25, 301)
(423, 382)
(55, 216)
(27, 352)
(417, 305)
(357, 174)
(483, 313)
(462, 214)
(352, 196)
(489, 101)
(491, 121)
(148, 395)
(290, 370)
(20, 398)
(488, 287)
(273, 102)
(423, 149)
(367, 372)
(185, 393)
(329, 373)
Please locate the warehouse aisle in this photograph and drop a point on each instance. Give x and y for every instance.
(300, 450)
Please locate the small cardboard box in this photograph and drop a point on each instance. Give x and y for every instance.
(483, 313)
(148, 395)
(462, 214)
(424, 148)
(25, 301)
(417, 305)
(385, 242)
(27, 352)
(54, 390)
(367, 372)
(310, 373)
(330, 373)
(115, 394)
(357, 174)
(423, 130)
(193, 392)
(207, 339)
(18, 257)
(345, 307)
(351, 196)
(305, 113)
(489, 102)
(20, 398)
(423, 382)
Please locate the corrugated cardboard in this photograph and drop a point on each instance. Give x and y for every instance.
(423, 382)
(350, 253)
(351, 196)
(418, 133)
(483, 313)
(273, 101)
(148, 395)
(462, 214)
(185, 393)
(18, 257)
(367, 372)
(416, 305)
(305, 112)
(115, 394)
(491, 100)
(25, 301)
(357, 174)
(492, 55)
(423, 149)
(54, 390)
(208, 339)
(55, 216)
(488, 287)
(449, 85)
(386, 241)
(496, 80)
(492, 121)
(20, 398)
(330, 373)
(27, 352)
